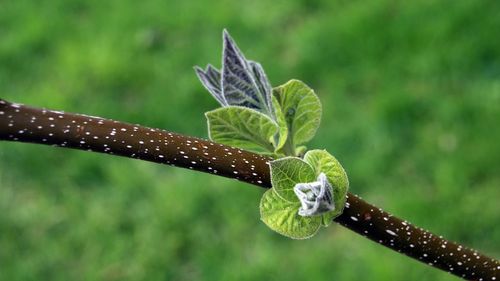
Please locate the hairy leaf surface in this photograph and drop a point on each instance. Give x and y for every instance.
(244, 83)
(282, 135)
(211, 80)
(286, 173)
(302, 110)
(323, 162)
(241, 127)
(281, 216)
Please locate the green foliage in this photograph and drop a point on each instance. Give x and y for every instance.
(279, 206)
(410, 92)
(297, 112)
(286, 173)
(242, 127)
(302, 110)
(283, 128)
(324, 162)
(281, 216)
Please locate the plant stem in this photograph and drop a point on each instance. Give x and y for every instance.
(288, 147)
(26, 124)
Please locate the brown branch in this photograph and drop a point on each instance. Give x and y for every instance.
(26, 124)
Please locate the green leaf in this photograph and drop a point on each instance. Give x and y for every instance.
(280, 138)
(302, 110)
(286, 173)
(299, 151)
(241, 127)
(322, 161)
(282, 217)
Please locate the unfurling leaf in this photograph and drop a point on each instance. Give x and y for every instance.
(316, 198)
(306, 193)
(324, 162)
(211, 79)
(302, 110)
(299, 202)
(243, 83)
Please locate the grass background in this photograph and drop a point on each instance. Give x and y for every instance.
(411, 98)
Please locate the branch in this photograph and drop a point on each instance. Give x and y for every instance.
(26, 124)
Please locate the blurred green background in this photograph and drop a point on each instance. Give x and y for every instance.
(411, 98)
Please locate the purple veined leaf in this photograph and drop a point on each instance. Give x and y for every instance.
(239, 83)
(211, 79)
(262, 82)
